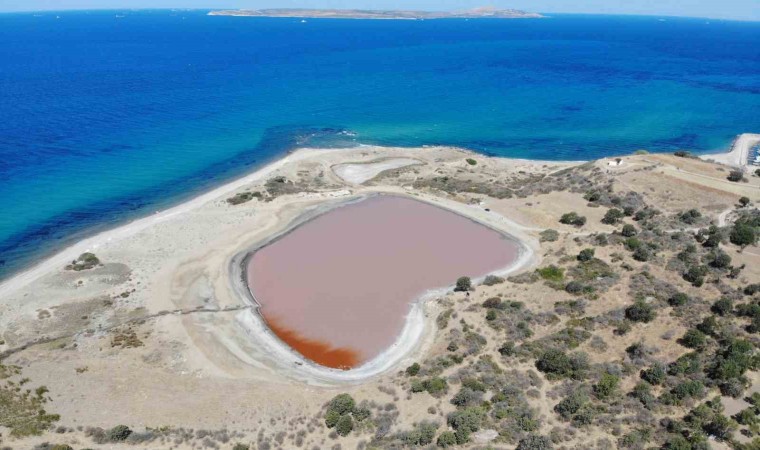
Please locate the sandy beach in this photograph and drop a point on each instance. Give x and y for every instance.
(738, 154)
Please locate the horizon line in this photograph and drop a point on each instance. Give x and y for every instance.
(546, 13)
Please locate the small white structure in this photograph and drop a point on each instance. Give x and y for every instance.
(617, 162)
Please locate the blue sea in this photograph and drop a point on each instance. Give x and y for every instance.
(106, 116)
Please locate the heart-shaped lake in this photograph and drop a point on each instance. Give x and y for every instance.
(337, 288)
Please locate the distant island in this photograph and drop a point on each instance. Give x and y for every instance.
(477, 13)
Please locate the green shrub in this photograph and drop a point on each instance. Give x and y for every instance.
(709, 326)
(331, 418)
(678, 299)
(571, 404)
(748, 416)
(722, 306)
(642, 254)
(735, 175)
(632, 243)
(533, 442)
(721, 427)
(118, 433)
(696, 275)
(574, 287)
(643, 393)
(654, 375)
(719, 259)
(433, 386)
(556, 364)
(463, 284)
(640, 312)
(471, 161)
(689, 388)
(690, 217)
(551, 273)
(628, 230)
(492, 280)
(694, 339)
(733, 360)
(677, 443)
(345, 425)
(572, 218)
(436, 385)
(447, 439)
(422, 434)
(606, 386)
(587, 254)
(548, 236)
(465, 421)
(613, 216)
(508, 349)
(361, 414)
(413, 370)
(342, 404)
(685, 364)
(743, 235)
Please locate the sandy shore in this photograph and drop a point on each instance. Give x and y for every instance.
(93, 243)
(738, 154)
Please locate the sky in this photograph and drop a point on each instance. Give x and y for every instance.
(723, 9)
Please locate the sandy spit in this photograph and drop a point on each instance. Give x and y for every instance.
(739, 152)
(91, 244)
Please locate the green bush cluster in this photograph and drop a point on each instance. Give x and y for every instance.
(556, 364)
(613, 216)
(640, 312)
(434, 386)
(341, 413)
(463, 284)
(572, 218)
(465, 422)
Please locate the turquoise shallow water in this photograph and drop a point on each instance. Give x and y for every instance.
(104, 118)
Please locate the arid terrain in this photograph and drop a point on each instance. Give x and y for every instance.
(631, 323)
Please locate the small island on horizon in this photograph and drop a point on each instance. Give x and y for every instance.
(476, 13)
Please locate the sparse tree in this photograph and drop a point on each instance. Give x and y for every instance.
(743, 234)
(463, 284)
(612, 216)
(736, 175)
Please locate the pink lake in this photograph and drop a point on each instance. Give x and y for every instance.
(337, 288)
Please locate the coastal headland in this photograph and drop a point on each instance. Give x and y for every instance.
(152, 325)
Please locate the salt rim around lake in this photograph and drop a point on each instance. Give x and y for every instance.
(419, 327)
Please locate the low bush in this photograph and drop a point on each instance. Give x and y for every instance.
(736, 175)
(548, 236)
(640, 312)
(613, 216)
(463, 284)
(572, 218)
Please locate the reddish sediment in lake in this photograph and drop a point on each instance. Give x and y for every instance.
(337, 288)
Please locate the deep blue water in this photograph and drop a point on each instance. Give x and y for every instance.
(103, 118)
